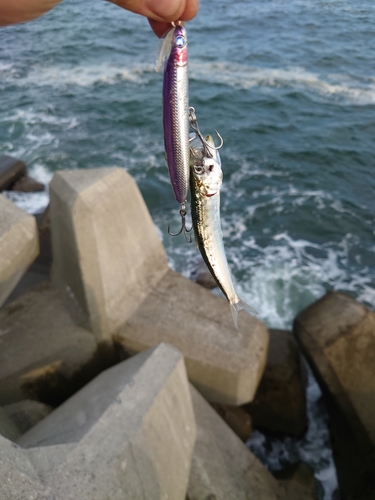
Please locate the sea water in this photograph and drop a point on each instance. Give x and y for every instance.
(290, 85)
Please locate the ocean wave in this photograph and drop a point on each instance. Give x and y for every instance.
(82, 76)
(247, 77)
(33, 203)
(31, 117)
(288, 274)
(339, 88)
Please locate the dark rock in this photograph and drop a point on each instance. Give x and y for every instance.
(337, 335)
(27, 185)
(45, 245)
(11, 169)
(27, 413)
(298, 477)
(237, 418)
(280, 402)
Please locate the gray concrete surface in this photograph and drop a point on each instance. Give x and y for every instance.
(337, 336)
(26, 413)
(129, 434)
(18, 245)
(225, 365)
(106, 251)
(223, 468)
(42, 348)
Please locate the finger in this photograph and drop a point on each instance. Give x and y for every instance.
(164, 11)
(160, 27)
(20, 11)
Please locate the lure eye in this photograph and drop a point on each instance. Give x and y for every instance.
(180, 41)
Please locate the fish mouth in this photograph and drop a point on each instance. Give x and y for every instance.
(208, 195)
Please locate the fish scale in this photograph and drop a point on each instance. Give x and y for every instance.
(205, 183)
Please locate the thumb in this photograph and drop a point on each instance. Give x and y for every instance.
(164, 11)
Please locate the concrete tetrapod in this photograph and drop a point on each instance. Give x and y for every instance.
(42, 349)
(223, 364)
(337, 336)
(280, 402)
(18, 245)
(223, 468)
(18, 478)
(107, 255)
(128, 434)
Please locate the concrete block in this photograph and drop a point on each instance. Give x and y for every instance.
(129, 434)
(18, 478)
(237, 418)
(8, 428)
(11, 169)
(26, 413)
(223, 468)
(299, 481)
(27, 184)
(223, 364)
(280, 402)
(42, 350)
(39, 271)
(106, 251)
(337, 336)
(18, 245)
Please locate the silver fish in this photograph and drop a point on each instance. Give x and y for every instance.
(205, 183)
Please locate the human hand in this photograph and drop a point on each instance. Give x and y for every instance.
(160, 13)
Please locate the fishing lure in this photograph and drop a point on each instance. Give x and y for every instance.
(205, 183)
(176, 113)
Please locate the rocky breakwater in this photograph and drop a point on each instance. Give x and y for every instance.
(91, 343)
(337, 336)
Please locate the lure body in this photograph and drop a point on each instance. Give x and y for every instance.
(205, 183)
(176, 110)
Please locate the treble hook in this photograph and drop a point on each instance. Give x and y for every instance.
(183, 225)
(194, 125)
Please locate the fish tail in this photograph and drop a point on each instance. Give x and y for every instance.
(237, 306)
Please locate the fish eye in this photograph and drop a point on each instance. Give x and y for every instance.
(198, 169)
(180, 41)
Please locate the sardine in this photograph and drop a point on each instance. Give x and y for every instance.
(205, 183)
(176, 109)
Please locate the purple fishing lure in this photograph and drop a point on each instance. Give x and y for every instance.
(176, 109)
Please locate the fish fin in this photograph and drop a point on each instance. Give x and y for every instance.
(165, 48)
(237, 306)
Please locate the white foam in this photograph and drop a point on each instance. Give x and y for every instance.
(5, 67)
(247, 77)
(32, 203)
(29, 117)
(83, 76)
(41, 173)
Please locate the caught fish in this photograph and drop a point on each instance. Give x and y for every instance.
(205, 183)
(176, 109)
